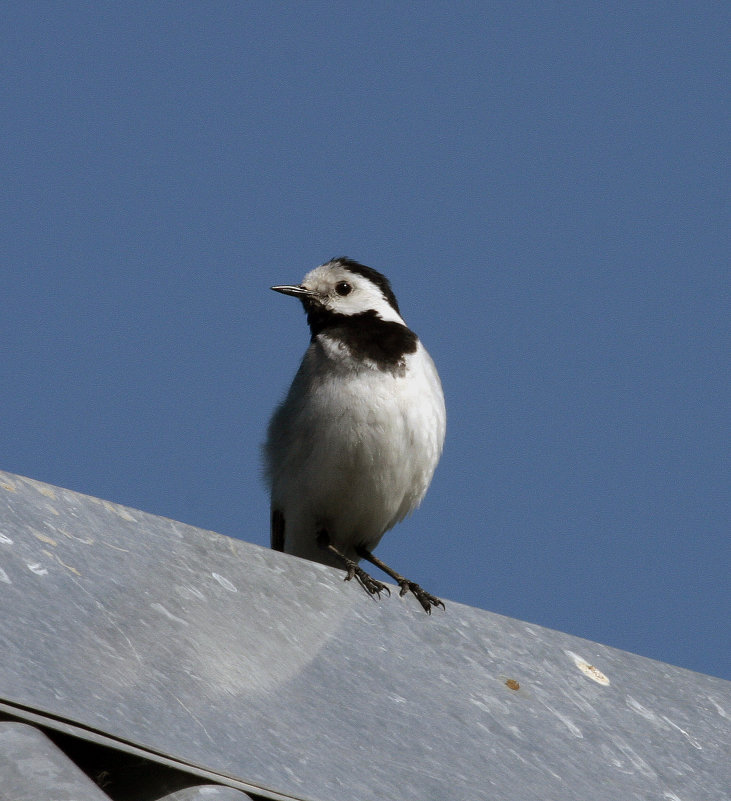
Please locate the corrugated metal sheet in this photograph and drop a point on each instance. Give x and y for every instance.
(31, 765)
(271, 672)
(35, 768)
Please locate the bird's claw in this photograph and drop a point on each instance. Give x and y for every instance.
(426, 599)
(369, 584)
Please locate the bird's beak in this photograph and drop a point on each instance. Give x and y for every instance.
(295, 291)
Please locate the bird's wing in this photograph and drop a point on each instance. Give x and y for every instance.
(277, 530)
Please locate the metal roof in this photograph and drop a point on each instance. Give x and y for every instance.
(269, 674)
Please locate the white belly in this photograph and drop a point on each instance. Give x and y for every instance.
(353, 453)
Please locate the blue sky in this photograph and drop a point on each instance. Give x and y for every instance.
(547, 187)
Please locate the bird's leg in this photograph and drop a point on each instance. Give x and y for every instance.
(369, 584)
(426, 599)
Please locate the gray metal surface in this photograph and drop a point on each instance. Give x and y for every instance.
(150, 781)
(33, 769)
(260, 666)
(207, 792)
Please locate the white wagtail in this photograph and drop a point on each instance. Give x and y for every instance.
(352, 448)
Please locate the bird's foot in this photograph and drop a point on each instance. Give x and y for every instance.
(352, 569)
(426, 599)
(369, 584)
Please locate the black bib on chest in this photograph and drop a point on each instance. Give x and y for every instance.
(365, 335)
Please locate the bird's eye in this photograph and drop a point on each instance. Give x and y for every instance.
(343, 288)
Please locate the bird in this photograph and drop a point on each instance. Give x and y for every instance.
(352, 448)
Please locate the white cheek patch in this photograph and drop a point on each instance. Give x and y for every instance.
(364, 297)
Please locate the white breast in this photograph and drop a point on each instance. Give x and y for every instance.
(353, 448)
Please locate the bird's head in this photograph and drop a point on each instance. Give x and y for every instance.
(344, 287)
